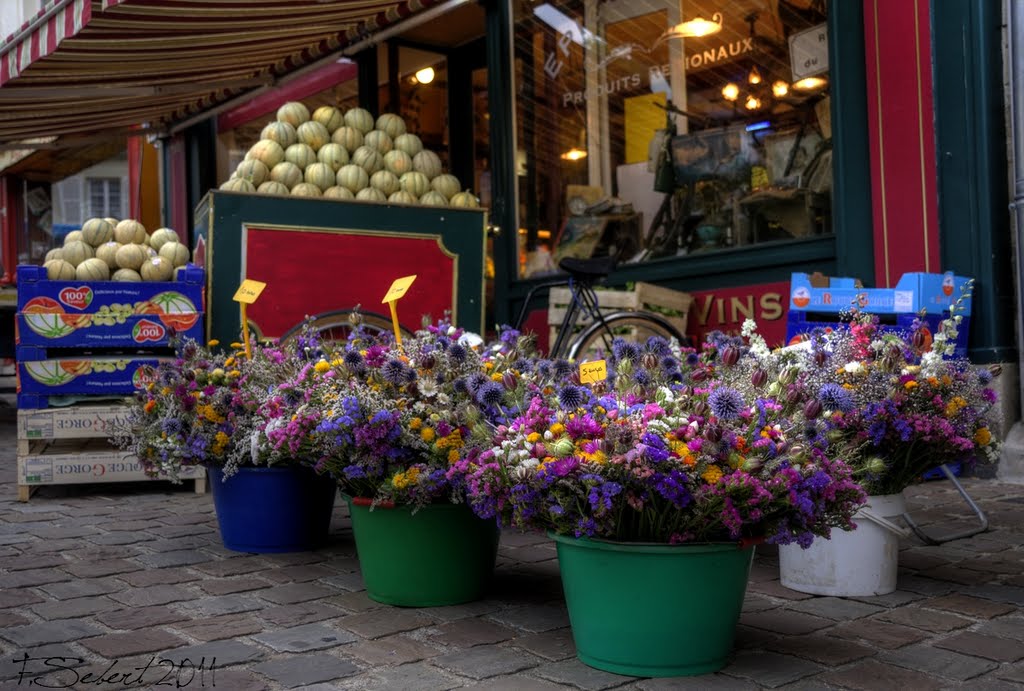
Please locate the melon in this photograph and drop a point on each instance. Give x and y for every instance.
(369, 158)
(160, 236)
(428, 163)
(54, 254)
(385, 181)
(398, 162)
(359, 118)
(464, 200)
(306, 189)
(392, 124)
(130, 256)
(272, 187)
(73, 236)
(237, 185)
(409, 143)
(76, 252)
(157, 269)
(175, 252)
(330, 117)
(92, 270)
(294, 113)
(287, 173)
(108, 253)
(378, 140)
(334, 155)
(281, 132)
(59, 270)
(338, 192)
(96, 231)
(352, 177)
(415, 183)
(433, 198)
(112, 221)
(371, 194)
(268, 151)
(313, 133)
(253, 170)
(300, 154)
(319, 174)
(446, 184)
(126, 275)
(402, 197)
(348, 137)
(130, 230)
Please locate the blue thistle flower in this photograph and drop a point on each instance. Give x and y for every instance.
(659, 346)
(726, 403)
(642, 377)
(561, 369)
(353, 359)
(490, 394)
(457, 352)
(571, 397)
(835, 397)
(393, 371)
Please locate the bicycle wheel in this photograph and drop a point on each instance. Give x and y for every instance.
(338, 324)
(595, 342)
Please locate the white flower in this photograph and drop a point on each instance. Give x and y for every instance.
(854, 367)
(748, 328)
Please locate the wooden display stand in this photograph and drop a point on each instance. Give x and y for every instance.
(60, 446)
(644, 296)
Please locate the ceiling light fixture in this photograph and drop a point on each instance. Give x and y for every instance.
(730, 92)
(780, 88)
(752, 102)
(755, 76)
(810, 83)
(695, 28)
(425, 75)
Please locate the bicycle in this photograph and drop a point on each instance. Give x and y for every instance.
(595, 341)
(337, 325)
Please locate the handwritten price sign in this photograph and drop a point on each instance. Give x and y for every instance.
(249, 291)
(592, 372)
(398, 288)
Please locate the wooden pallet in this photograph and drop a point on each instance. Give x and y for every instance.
(60, 446)
(644, 296)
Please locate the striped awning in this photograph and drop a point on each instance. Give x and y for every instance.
(83, 67)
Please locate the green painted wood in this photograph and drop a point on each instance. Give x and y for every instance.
(221, 215)
(974, 222)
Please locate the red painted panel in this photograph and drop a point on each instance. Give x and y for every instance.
(902, 138)
(312, 272)
(177, 207)
(725, 309)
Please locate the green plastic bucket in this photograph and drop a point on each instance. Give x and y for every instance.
(652, 610)
(441, 555)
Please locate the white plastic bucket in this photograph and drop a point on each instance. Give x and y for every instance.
(851, 563)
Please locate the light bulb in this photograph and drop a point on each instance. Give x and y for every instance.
(780, 88)
(810, 83)
(425, 75)
(752, 102)
(755, 76)
(730, 92)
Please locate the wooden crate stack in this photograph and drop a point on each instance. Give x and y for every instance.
(643, 296)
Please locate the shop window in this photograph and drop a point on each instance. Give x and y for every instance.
(105, 198)
(645, 134)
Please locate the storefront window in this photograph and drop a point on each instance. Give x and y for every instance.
(657, 129)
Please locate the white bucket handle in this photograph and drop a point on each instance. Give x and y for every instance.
(885, 523)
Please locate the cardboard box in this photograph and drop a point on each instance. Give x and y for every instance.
(111, 375)
(933, 293)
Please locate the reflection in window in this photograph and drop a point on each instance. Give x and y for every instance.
(645, 133)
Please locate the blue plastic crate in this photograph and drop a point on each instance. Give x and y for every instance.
(800, 323)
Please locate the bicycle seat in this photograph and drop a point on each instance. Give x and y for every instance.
(598, 267)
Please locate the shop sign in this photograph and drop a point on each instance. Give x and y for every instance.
(725, 309)
(808, 52)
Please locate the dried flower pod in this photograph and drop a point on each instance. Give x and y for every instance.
(812, 408)
(759, 378)
(699, 375)
(686, 391)
(650, 361)
(701, 408)
(731, 355)
(509, 380)
(794, 395)
(919, 339)
(820, 358)
(427, 362)
(789, 375)
(563, 447)
(713, 433)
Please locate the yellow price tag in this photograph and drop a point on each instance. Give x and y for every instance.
(249, 291)
(591, 372)
(398, 288)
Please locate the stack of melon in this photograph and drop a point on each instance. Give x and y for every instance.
(346, 156)
(106, 249)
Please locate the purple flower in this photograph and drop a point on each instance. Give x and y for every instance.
(835, 397)
(490, 394)
(571, 397)
(726, 403)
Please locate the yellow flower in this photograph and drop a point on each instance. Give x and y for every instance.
(219, 443)
(213, 342)
(427, 434)
(229, 362)
(598, 457)
(983, 437)
(453, 456)
(712, 475)
(557, 428)
(337, 362)
(496, 376)
(910, 385)
(322, 366)
(415, 423)
(402, 480)
(533, 437)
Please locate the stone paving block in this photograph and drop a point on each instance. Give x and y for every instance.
(153, 595)
(705, 682)
(776, 589)
(1004, 627)
(550, 645)
(980, 645)
(78, 607)
(233, 680)
(955, 573)
(825, 650)
(45, 546)
(224, 604)
(38, 561)
(139, 617)
(1000, 593)
(897, 598)
(579, 675)
(96, 569)
(168, 576)
(836, 608)
(220, 627)
(990, 682)
(299, 574)
(418, 676)
(513, 538)
(294, 558)
(172, 531)
(117, 645)
(31, 664)
(534, 618)
(920, 559)
(970, 606)
(748, 638)
(1012, 673)
(384, 622)
(59, 532)
(187, 518)
(351, 582)
(226, 586)
(178, 543)
(929, 620)
(301, 670)
(391, 650)
(343, 563)
(784, 621)
(232, 567)
(17, 597)
(302, 639)
(466, 633)
(57, 631)
(9, 618)
(34, 577)
(872, 675)
(925, 586)
(534, 553)
(944, 663)
(120, 538)
(756, 603)
(516, 682)
(879, 633)
(295, 592)
(183, 557)
(302, 613)
(486, 661)
(464, 611)
(226, 653)
(770, 669)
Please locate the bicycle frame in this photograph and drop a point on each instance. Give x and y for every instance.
(584, 300)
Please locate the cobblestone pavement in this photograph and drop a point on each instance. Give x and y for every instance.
(110, 576)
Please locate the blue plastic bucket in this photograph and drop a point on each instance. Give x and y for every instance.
(284, 509)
